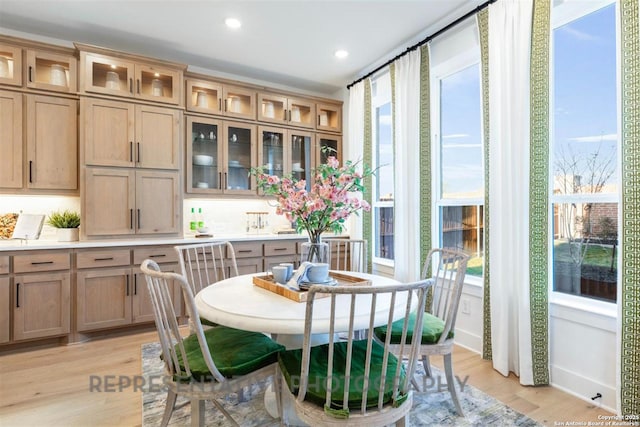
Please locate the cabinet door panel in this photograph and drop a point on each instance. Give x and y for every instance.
(10, 139)
(157, 137)
(5, 309)
(142, 308)
(103, 298)
(41, 305)
(11, 57)
(108, 136)
(158, 202)
(52, 142)
(51, 71)
(109, 202)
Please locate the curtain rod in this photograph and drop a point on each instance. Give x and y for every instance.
(425, 40)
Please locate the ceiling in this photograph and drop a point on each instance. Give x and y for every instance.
(289, 43)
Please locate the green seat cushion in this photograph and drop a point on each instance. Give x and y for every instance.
(432, 328)
(290, 362)
(234, 352)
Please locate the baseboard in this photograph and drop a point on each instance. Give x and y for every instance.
(583, 388)
(468, 340)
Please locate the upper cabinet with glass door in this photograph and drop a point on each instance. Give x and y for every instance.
(209, 97)
(239, 157)
(130, 76)
(329, 117)
(327, 145)
(38, 66)
(10, 65)
(274, 108)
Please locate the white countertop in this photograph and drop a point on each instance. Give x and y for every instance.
(18, 245)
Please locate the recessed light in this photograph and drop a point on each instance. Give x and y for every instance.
(341, 53)
(233, 23)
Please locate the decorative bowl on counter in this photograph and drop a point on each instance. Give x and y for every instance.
(202, 160)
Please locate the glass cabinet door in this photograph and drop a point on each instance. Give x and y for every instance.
(328, 145)
(272, 150)
(204, 97)
(10, 65)
(239, 139)
(329, 117)
(301, 113)
(300, 155)
(104, 74)
(157, 84)
(51, 71)
(204, 154)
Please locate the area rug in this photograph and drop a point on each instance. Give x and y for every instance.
(432, 407)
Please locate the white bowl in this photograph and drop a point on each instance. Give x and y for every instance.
(202, 185)
(202, 160)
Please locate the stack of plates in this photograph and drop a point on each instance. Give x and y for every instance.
(329, 282)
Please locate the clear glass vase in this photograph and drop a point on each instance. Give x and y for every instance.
(314, 251)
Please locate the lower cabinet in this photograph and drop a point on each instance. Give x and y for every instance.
(248, 257)
(276, 252)
(5, 309)
(41, 295)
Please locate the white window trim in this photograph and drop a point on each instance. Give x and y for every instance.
(563, 13)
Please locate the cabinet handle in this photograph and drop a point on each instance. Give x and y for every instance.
(41, 262)
(139, 226)
(220, 180)
(157, 256)
(279, 249)
(131, 151)
(138, 151)
(127, 285)
(135, 284)
(138, 86)
(244, 251)
(226, 181)
(318, 120)
(131, 85)
(17, 295)
(219, 104)
(109, 258)
(30, 75)
(30, 168)
(131, 219)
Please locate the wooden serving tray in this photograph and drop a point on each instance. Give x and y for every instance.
(267, 282)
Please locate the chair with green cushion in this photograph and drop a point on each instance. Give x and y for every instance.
(445, 270)
(204, 365)
(353, 382)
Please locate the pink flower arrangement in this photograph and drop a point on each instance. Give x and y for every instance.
(332, 196)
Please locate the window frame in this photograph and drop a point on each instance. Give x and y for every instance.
(562, 14)
(469, 57)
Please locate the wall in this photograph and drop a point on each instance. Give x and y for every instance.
(44, 205)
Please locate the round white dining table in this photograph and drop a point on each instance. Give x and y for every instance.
(236, 302)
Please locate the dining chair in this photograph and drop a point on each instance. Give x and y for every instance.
(206, 263)
(354, 382)
(347, 254)
(445, 269)
(205, 365)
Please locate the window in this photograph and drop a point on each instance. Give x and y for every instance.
(459, 181)
(584, 150)
(383, 162)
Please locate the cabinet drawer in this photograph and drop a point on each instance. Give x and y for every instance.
(4, 264)
(40, 262)
(160, 255)
(246, 250)
(279, 248)
(111, 258)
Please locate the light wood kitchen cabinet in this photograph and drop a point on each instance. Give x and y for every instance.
(142, 307)
(51, 71)
(127, 202)
(248, 257)
(5, 309)
(329, 117)
(10, 139)
(129, 76)
(285, 151)
(52, 142)
(10, 65)
(41, 290)
(127, 135)
(276, 252)
(281, 109)
(210, 97)
(327, 145)
(103, 298)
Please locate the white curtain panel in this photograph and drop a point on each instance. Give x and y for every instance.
(509, 53)
(354, 145)
(407, 167)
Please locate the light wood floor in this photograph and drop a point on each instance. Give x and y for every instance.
(50, 386)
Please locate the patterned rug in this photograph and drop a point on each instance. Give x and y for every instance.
(432, 407)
